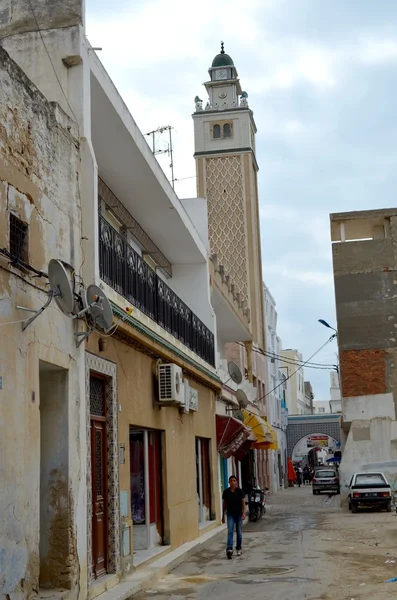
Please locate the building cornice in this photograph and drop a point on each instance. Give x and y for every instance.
(213, 153)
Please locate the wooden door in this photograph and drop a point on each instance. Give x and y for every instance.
(206, 475)
(98, 476)
(155, 481)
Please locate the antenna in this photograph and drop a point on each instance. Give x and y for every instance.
(235, 373)
(60, 289)
(242, 398)
(169, 150)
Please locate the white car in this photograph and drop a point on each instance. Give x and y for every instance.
(369, 489)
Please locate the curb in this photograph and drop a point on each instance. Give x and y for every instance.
(145, 578)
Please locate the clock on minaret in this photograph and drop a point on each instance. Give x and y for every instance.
(220, 74)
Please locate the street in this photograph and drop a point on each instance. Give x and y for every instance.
(306, 547)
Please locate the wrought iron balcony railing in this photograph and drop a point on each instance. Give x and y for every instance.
(127, 273)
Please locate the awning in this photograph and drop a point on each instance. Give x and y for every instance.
(230, 435)
(245, 446)
(265, 435)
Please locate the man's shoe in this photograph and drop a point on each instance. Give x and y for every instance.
(239, 552)
(229, 553)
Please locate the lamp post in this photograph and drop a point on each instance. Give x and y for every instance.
(323, 322)
(326, 324)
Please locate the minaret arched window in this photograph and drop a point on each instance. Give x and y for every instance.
(216, 131)
(227, 130)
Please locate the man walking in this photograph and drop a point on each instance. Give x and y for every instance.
(234, 507)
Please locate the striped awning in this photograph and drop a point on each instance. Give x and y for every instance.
(266, 437)
(230, 434)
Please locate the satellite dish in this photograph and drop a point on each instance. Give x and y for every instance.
(99, 307)
(242, 398)
(61, 288)
(234, 372)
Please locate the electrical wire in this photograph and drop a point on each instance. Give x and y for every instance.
(50, 59)
(298, 369)
(12, 322)
(311, 365)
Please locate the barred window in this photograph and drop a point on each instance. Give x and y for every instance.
(18, 238)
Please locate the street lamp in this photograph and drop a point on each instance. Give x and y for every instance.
(323, 322)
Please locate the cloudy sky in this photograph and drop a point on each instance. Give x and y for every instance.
(321, 79)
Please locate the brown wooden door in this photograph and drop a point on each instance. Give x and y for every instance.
(99, 477)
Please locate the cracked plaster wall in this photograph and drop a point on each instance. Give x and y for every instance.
(39, 164)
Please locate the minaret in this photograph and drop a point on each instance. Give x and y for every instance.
(226, 167)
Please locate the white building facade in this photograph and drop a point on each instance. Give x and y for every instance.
(276, 392)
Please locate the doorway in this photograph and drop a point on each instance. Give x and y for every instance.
(203, 479)
(146, 486)
(99, 475)
(57, 566)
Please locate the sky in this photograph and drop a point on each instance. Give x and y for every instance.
(321, 80)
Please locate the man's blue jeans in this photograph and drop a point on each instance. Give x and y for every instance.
(231, 523)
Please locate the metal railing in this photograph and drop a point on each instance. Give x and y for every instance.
(123, 269)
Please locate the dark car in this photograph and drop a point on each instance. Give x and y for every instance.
(369, 489)
(326, 480)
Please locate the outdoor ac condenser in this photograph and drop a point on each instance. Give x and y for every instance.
(171, 384)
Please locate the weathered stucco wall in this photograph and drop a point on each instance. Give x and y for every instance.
(366, 292)
(17, 17)
(136, 392)
(39, 162)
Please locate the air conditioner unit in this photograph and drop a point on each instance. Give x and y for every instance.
(187, 396)
(171, 385)
(193, 400)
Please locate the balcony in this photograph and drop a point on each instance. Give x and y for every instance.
(124, 270)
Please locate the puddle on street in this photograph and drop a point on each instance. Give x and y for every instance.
(267, 570)
(273, 580)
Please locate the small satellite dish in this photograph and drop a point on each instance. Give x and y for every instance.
(242, 398)
(234, 372)
(61, 288)
(100, 308)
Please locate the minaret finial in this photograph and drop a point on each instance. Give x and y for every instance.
(222, 48)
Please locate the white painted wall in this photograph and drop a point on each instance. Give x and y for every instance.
(369, 446)
(276, 415)
(358, 407)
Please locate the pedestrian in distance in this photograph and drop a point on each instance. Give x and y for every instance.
(299, 476)
(234, 509)
(306, 475)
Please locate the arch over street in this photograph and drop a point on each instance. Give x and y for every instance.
(305, 425)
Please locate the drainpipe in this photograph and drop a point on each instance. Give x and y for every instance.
(147, 491)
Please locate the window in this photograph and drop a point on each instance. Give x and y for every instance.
(216, 131)
(370, 479)
(227, 130)
(326, 474)
(321, 409)
(18, 238)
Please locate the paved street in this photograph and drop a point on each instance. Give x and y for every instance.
(305, 548)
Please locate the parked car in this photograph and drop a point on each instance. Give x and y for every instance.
(369, 489)
(326, 480)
